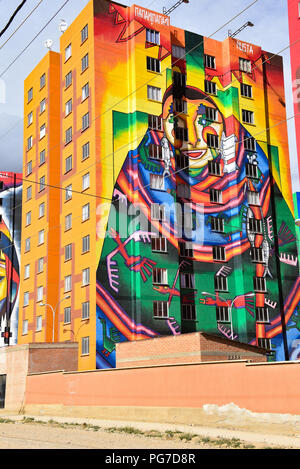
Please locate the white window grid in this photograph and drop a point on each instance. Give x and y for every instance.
(188, 312)
(160, 309)
(159, 244)
(157, 181)
(160, 276)
(154, 93)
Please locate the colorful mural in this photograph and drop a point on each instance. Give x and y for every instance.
(10, 241)
(127, 253)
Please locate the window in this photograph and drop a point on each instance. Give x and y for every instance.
(28, 218)
(219, 253)
(217, 224)
(85, 91)
(212, 141)
(183, 161)
(251, 171)
(85, 277)
(68, 283)
(68, 252)
(42, 157)
(262, 314)
(40, 293)
(184, 191)
(153, 65)
(69, 163)
(85, 310)
(30, 118)
(221, 283)
(159, 244)
(40, 265)
(152, 36)
(84, 33)
(154, 93)
(187, 280)
(68, 221)
(211, 114)
(257, 255)
(27, 271)
(43, 80)
(155, 122)
(180, 106)
(250, 144)
(39, 323)
(42, 209)
(155, 151)
(209, 61)
(26, 299)
(260, 285)
(68, 79)
(68, 107)
(84, 62)
(85, 121)
(160, 276)
(246, 90)
(214, 168)
(29, 193)
(253, 198)
(85, 346)
(210, 87)
(178, 52)
(160, 309)
(181, 133)
(157, 181)
(247, 116)
(29, 142)
(27, 244)
(245, 65)
(264, 343)
(30, 94)
(67, 315)
(41, 237)
(223, 314)
(188, 312)
(157, 212)
(215, 196)
(42, 106)
(179, 79)
(29, 168)
(85, 244)
(68, 52)
(85, 181)
(42, 131)
(25, 327)
(42, 183)
(68, 135)
(85, 151)
(255, 225)
(68, 193)
(85, 212)
(186, 249)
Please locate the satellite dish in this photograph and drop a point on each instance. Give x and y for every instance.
(63, 25)
(48, 43)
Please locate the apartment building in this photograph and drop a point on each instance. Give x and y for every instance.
(176, 209)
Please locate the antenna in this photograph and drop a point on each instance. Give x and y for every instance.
(63, 25)
(48, 43)
(177, 4)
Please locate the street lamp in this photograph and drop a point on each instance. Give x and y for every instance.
(229, 306)
(297, 222)
(54, 311)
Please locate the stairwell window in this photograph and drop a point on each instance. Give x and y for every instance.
(219, 253)
(250, 144)
(84, 63)
(68, 222)
(41, 237)
(245, 65)
(42, 157)
(68, 79)
(183, 161)
(222, 313)
(68, 134)
(159, 244)
(85, 121)
(27, 271)
(157, 212)
(85, 310)
(160, 276)
(178, 52)
(154, 93)
(42, 105)
(255, 225)
(214, 168)
(85, 244)
(247, 116)
(186, 249)
(215, 196)
(153, 65)
(68, 283)
(68, 164)
(41, 209)
(42, 184)
(28, 218)
(180, 106)
(264, 343)
(262, 315)
(155, 151)
(153, 36)
(43, 81)
(260, 285)
(217, 224)
(86, 212)
(210, 61)
(256, 255)
(85, 346)
(68, 52)
(253, 198)
(187, 280)
(160, 309)
(39, 323)
(29, 142)
(155, 122)
(210, 87)
(188, 312)
(211, 114)
(40, 266)
(68, 252)
(84, 33)
(26, 299)
(30, 95)
(184, 191)
(40, 294)
(246, 90)
(42, 131)
(29, 193)
(179, 80)
(67, 315)
(85, 277)
(68, 107)
(251, 171)
(221, 283)
(85, 91)
(181, 133)
(212, 141)
(30, 118)
(85, 181)
(85, 151)
(25, 327)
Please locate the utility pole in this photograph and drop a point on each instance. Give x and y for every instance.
(177, 4)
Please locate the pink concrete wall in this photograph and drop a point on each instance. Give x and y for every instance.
(260, 388)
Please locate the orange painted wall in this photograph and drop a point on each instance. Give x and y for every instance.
(267, 387)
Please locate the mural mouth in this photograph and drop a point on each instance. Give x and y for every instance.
(194, 154)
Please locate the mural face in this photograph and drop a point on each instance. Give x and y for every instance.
(10, 239)
(153, 192)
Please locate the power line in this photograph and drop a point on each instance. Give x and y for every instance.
(12, 17)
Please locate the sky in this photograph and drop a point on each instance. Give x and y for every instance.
(203, 17)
